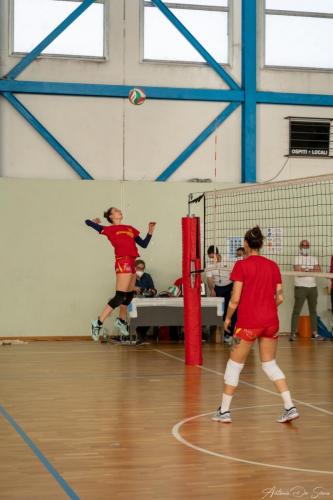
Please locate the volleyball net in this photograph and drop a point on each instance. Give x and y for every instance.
(287, 212)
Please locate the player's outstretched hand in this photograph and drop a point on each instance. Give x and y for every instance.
(151, 227)
(97, 220)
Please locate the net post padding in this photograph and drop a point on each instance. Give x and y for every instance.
(191, 290)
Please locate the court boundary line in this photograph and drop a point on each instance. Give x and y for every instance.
(54, 473)
(177, 435)
(258, 387)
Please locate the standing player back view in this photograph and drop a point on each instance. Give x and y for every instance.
(257, 292)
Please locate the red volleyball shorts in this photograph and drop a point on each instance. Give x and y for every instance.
(251, 334)
(125, 265)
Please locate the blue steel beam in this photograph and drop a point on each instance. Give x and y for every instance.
(294, 99)
(171, 169)
(29, 58)
(47, 136)
(171, 93)
(101, 90)
(249, 83)
(197, 45)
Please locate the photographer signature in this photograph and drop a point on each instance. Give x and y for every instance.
(296, 492)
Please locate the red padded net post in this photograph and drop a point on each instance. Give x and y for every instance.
(191, 290)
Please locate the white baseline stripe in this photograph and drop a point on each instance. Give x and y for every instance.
(176, 434)
(322, 410)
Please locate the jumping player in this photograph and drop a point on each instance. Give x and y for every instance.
(124, 239)
(257, 292)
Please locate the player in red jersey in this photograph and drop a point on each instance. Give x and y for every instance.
(124, 239)
(257, 293)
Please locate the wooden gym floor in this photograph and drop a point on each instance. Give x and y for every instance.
(94, 421)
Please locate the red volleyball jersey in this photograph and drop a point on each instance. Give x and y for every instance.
(257, 307)
(122, 238)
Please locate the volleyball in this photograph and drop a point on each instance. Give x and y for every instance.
(137, 96)
(174, 291)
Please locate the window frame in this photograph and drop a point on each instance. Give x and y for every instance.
(104, 58)
(179, 5)
(310, 120)
(291, 13)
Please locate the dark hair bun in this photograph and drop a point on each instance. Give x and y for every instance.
(212, 249)
(254, 238)
(107, 214)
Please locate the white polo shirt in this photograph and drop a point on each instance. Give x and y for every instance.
(308, 262)
(219, 272)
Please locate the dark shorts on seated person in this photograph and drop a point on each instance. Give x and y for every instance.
(251, 334)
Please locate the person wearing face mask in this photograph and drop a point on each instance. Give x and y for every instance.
(144, 284)
(220, 284)
(305, 289)
(240, 253)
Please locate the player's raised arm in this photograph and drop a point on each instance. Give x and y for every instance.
(151, 227)
(95, 224)
(144, 242)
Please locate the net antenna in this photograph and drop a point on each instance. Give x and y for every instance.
(194, 198)
(214, 224)
(215, 199)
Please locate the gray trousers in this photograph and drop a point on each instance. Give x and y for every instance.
(303, 293)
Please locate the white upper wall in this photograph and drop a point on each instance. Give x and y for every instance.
(115, 140)
(273, 144)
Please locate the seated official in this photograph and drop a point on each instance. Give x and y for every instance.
(240, 253)
(144, 286)
(220, 284)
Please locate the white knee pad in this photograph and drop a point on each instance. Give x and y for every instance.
(272, 370)
(232, 372)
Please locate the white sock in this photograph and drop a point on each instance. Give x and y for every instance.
(287, 401)
(226, 402)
